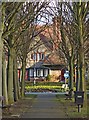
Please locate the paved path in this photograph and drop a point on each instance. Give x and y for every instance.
(45, 106)
(38, 93)
(56, 93)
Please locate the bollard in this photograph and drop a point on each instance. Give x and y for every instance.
(79, 108)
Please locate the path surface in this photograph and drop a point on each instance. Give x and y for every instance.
(45, 106)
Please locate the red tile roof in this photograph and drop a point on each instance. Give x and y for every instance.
(54, 59)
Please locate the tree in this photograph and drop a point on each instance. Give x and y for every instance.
(2, 62)
(74, 17)
(19, 17)
(79, 12)
(8, 39)
(1, 45)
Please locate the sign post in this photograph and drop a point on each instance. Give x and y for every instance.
(66, 75)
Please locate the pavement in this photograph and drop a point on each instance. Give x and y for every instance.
(45, 106)
(43, 93)
(54, 93)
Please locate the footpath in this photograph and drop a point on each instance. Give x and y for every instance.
(45, 106)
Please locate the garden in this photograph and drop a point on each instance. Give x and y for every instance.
(43, 87)
(47, 86)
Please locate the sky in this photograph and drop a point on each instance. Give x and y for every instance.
(52, 11)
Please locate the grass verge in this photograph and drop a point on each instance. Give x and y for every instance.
(30, 96)
(27, 83)
(71, 108)
(19, 107)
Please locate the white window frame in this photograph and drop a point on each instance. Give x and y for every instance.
(45, 72)
(39, 72)
(38, 56)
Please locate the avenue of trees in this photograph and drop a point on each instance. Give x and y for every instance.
(74, 39)
(17, 33)
(18, 30)
(73, 21)
(74, 44)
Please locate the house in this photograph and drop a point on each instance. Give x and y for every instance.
(45, 59)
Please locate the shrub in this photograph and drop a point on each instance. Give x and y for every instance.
(48, 78)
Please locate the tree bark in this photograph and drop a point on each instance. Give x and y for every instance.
(2, 15)
(71, 72)
(77, 74)
(10, 77)
(4, 82)
(81, 48)
(23, 78)
(15, 78)
(81, 52)
(1, 48)
(18, 84)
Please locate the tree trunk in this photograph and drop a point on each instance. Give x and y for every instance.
(81, 48)
(2, 15)
(23, 77)
(4, 82)
(71, 73)
(81, 52)
(82, 74)
(10, 77)
(15, 78)
(77, 74)
(18, 84)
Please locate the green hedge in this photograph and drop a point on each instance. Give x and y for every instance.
(29, 88)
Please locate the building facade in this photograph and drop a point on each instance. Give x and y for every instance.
(44, 59)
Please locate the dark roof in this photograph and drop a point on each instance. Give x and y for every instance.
(55, 67)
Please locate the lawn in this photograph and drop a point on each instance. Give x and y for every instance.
(72, 109)
(19, 107)
(43, 83)
(30, 96)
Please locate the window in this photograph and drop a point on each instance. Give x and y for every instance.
(42, 56)
(39, 72)
(45, 72)
(33, 56)
(34, 72)
(31, 72)
(37, 56)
